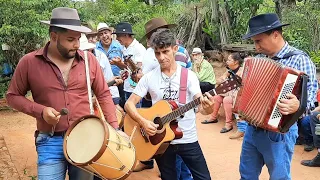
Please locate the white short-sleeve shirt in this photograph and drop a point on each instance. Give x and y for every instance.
(162, 87)
(107, 72)
(137, 50)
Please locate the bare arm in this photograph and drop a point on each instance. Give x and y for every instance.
(131, 109)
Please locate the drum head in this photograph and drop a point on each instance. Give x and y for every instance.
(85, 140)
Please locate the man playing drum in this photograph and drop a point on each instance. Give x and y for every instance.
(56, 77)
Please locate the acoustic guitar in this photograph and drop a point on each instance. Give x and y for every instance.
(164, 113)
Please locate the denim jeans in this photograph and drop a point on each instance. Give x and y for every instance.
(127, 95)
(52, 164)
(314, 121)
(183, 172)
(191, 154)
(306, 129)
(261, 147)
(242, 125)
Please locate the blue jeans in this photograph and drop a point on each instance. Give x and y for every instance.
(242, 125)
(306, 129)
(52, 164)
(261, 147)
(314, 121)
(127, 95)
(183, 172)
(191, 155)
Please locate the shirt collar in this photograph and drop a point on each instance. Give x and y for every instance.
(284, 50)
(133, 43)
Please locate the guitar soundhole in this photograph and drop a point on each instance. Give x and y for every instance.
(157, 120)
(157, 138)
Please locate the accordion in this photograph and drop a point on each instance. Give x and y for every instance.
(264, 83)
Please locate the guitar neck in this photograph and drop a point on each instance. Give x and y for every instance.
(224, 87)
(133, 67)
(183, 109)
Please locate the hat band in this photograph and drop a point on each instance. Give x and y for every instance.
(274, 24)
(73, 22)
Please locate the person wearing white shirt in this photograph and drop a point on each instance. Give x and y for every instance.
(131, 48)
(163, 83)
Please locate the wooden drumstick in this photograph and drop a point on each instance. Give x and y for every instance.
(63, 112)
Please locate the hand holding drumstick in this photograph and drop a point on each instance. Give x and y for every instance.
(52, 117)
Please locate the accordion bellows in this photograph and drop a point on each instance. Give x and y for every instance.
(264, 83)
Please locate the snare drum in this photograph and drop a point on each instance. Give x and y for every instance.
(93, 145)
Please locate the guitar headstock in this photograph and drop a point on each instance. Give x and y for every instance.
(130, 64)
(228, 85)
(124, 74)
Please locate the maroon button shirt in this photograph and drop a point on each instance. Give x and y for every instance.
(36, 72)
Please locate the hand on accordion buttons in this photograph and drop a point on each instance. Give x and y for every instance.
(290, 105)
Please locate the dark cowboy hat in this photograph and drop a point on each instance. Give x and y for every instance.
(67, 18)
(154, 24)
(123, 28)
(263, 23)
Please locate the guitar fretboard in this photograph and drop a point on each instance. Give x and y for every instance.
(183, 109)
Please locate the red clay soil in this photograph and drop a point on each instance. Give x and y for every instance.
(221, 153)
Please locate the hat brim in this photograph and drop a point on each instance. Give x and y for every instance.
(249, 35)
(82, 29)
(105, 28)
(87, 46)
(130, 33)
(169, 26)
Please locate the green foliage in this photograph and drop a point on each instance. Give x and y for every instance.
(315, 56)
(135, 12)
(20, 26)
(304, 29)
(240, 12)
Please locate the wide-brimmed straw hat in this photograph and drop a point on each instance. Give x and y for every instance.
(67, 18)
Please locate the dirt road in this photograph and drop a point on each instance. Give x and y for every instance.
(221, 153)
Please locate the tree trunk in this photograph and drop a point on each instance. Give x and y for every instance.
(195, 26)
(215, 10)
(278, 8)
(224, 24)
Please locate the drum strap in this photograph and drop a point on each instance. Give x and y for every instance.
(88, 81)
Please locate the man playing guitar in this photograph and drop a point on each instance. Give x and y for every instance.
(163, 83)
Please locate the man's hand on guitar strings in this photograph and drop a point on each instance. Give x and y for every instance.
(150, 127)
(207, 102)
(288, 106)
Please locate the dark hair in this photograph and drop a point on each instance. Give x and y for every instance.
(57, 29)
(279, 29)
(162, 38)
(238, 56)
